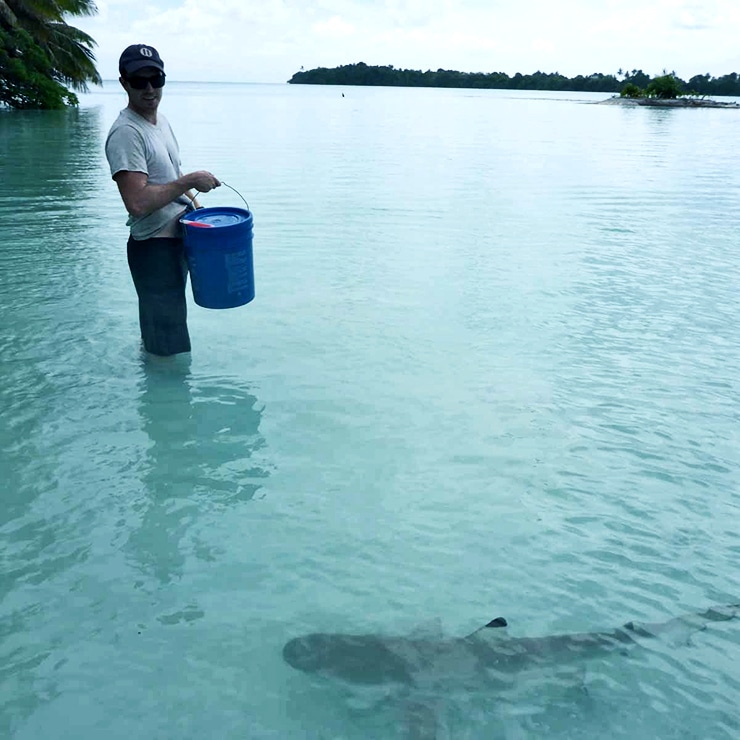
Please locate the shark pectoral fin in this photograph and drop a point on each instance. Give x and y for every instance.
(573, 682)
(495, 628)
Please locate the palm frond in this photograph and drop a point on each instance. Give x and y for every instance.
(61, 53)
(70, 52)
(77, 7)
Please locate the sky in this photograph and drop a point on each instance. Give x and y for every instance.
(270, 40)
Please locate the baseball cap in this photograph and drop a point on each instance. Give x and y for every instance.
(139, 56)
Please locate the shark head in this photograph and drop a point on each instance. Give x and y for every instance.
(364, 659)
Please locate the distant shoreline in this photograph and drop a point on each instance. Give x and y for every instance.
(364, 75)
(687, 102)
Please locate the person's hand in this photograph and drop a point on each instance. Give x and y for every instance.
(203, 181)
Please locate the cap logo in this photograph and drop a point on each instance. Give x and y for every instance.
(145, 52)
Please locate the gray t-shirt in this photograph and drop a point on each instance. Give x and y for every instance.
(136, 145)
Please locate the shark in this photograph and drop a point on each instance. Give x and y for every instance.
(488, 657)
(373, 659)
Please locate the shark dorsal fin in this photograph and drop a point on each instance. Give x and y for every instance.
(495, 628)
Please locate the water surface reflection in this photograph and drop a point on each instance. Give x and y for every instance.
(203, 433)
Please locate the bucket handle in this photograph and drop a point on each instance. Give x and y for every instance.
(197, 193)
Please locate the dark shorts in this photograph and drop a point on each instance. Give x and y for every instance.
(160, 272)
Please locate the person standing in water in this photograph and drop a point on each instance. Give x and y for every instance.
(144, 159)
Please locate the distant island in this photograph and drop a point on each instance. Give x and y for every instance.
(363, 74)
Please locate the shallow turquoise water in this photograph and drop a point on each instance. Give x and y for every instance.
(491, 368)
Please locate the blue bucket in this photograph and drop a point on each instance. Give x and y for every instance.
(218, 245)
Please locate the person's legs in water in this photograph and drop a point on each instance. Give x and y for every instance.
(160, 272)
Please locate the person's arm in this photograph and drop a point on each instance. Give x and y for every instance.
(142, 198)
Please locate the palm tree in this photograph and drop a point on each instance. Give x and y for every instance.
(68, 49)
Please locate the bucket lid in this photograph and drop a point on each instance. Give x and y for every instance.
(210, 217)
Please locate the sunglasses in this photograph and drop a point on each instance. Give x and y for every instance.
(140, 83)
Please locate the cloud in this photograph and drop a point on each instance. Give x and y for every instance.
(693, 16)
(333, 28)
(267, 41)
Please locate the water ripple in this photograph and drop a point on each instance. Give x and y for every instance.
(491, 370)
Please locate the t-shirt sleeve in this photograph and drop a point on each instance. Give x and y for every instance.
(125, 151)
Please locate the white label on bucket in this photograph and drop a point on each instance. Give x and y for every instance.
(237, 270)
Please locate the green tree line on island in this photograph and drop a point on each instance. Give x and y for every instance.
(363, 74)
(42, 56)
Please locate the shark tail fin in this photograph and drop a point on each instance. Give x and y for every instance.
(720, 613)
